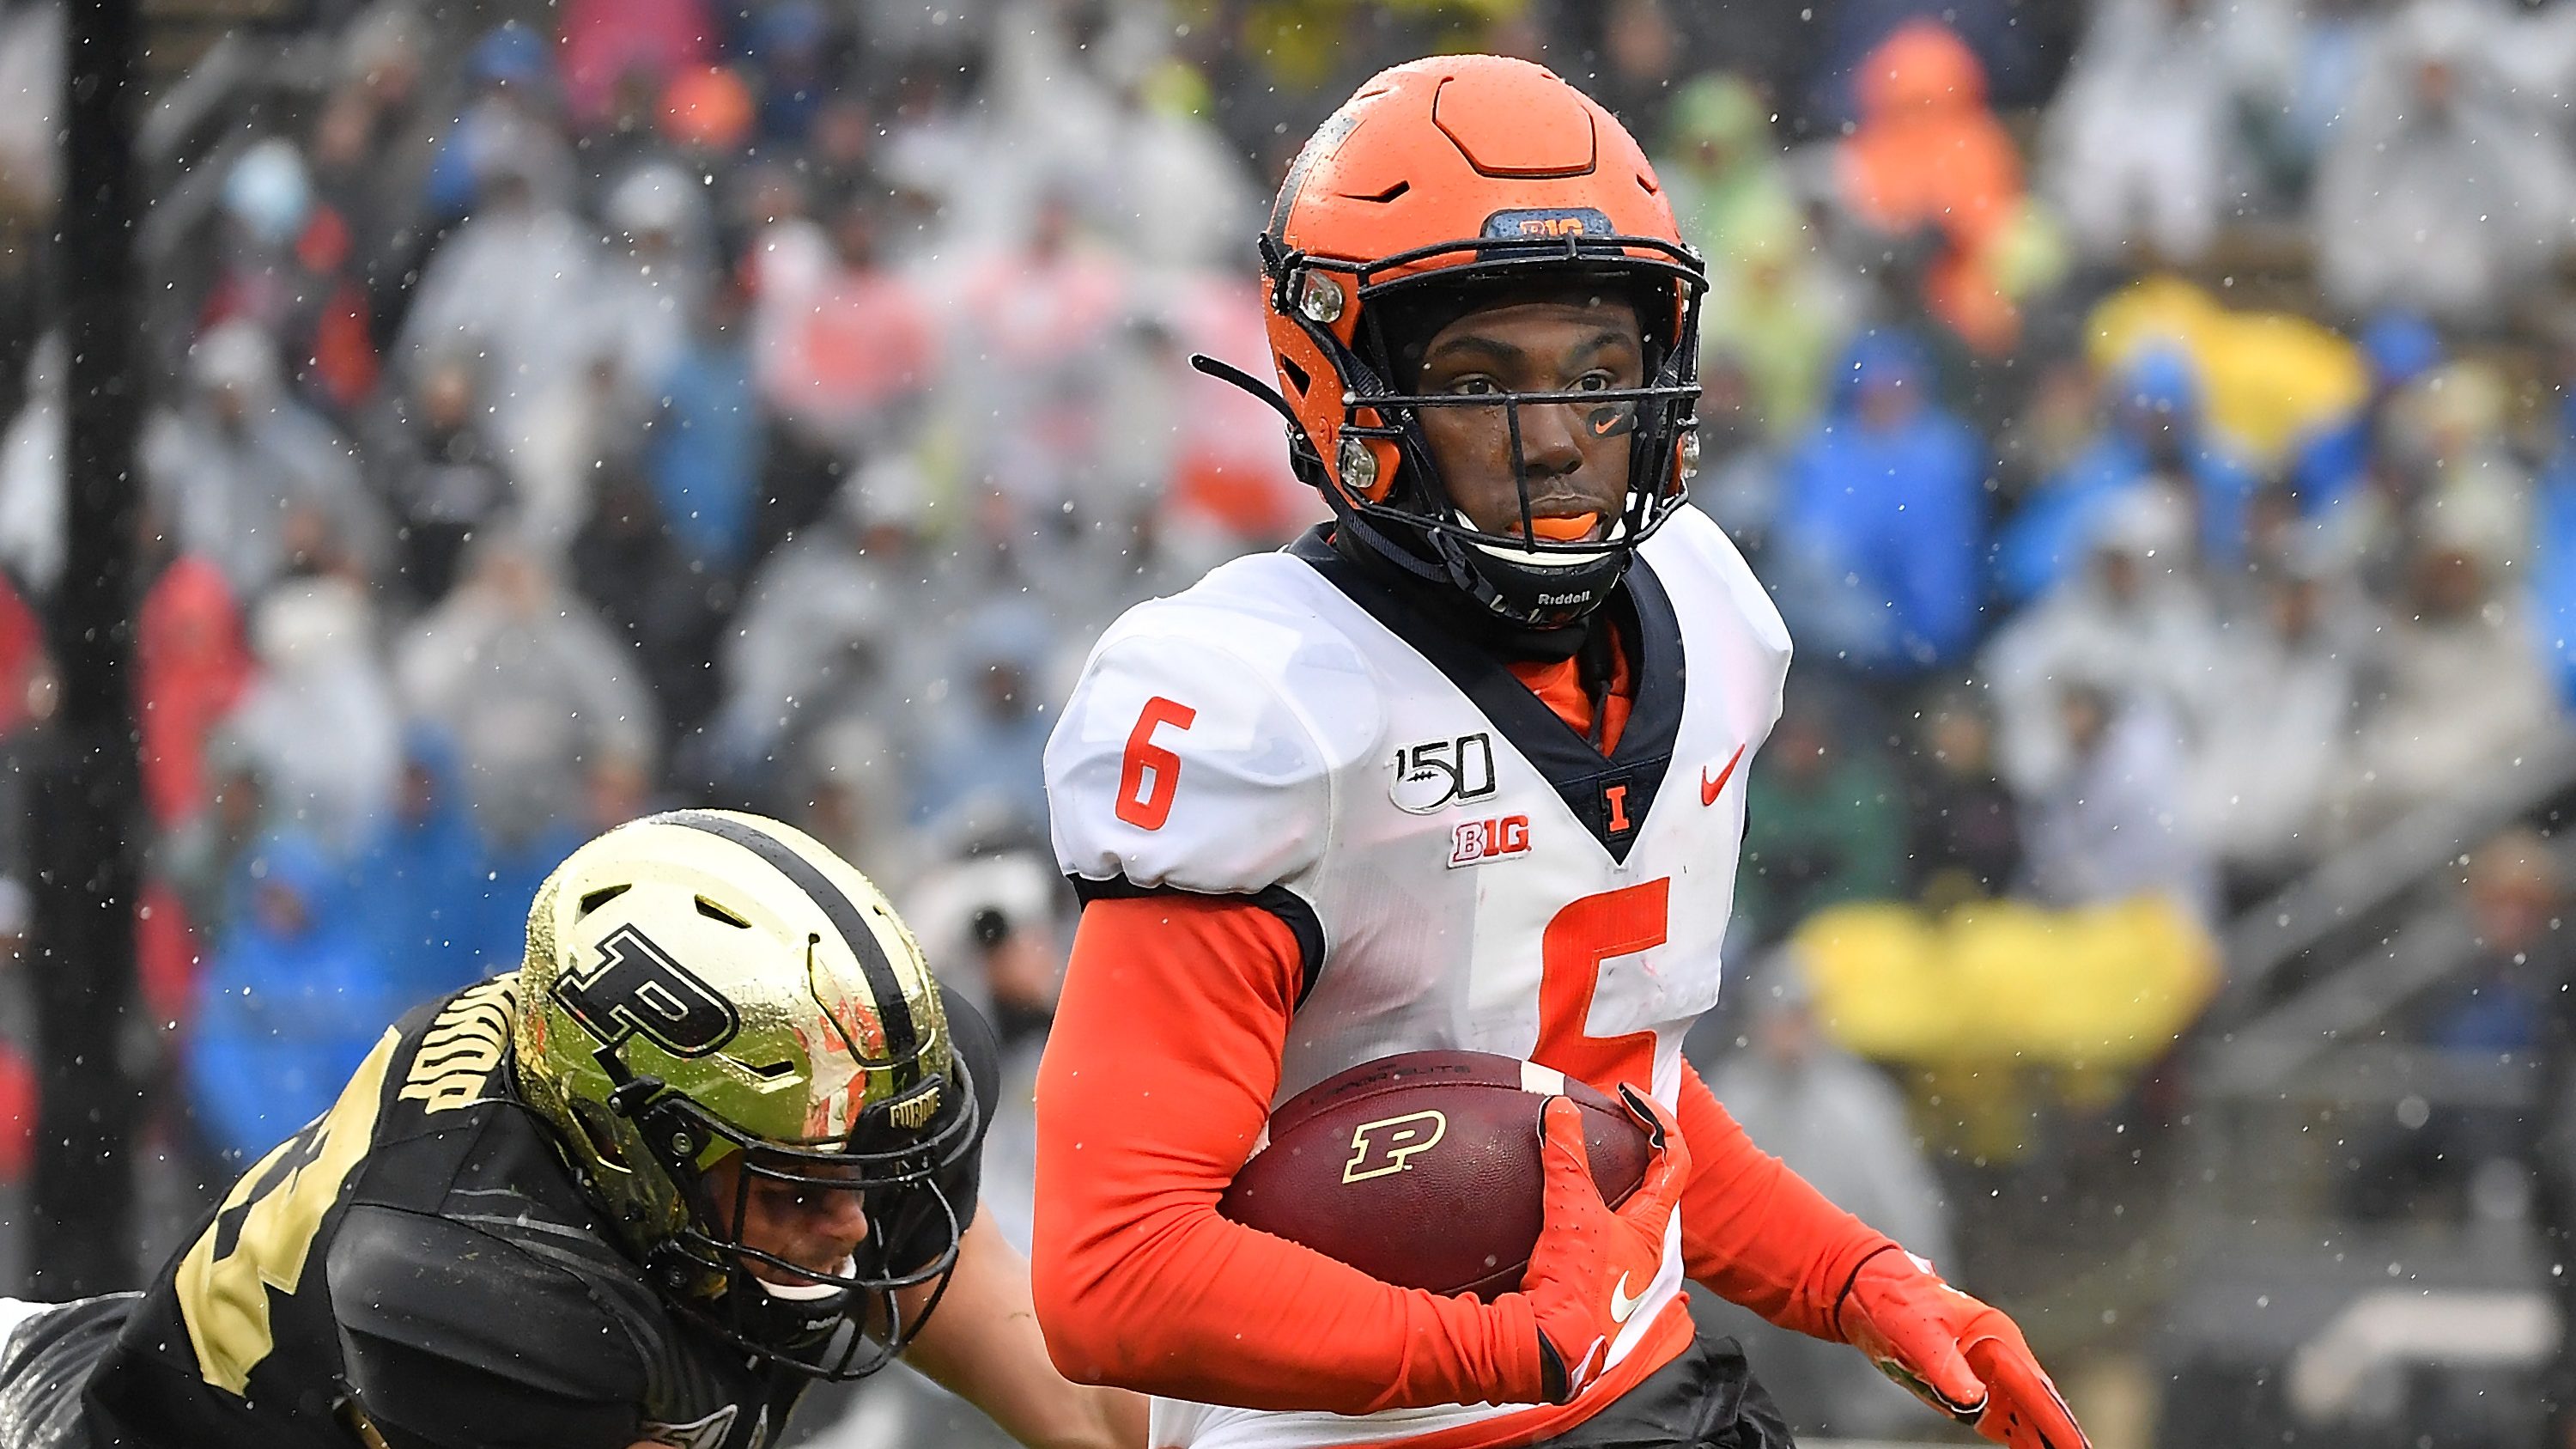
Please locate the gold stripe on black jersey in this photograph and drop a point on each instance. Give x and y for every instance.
(264, 1231)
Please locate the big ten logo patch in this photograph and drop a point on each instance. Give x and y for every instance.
(461, 1049)
(1437, 774)
(1475, 841)
(1390, 1144)
(1544, 223)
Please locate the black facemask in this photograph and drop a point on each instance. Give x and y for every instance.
(1523, 582)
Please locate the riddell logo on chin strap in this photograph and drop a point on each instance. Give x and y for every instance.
(1476, 841)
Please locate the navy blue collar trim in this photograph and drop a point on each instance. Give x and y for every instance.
(1612, 795)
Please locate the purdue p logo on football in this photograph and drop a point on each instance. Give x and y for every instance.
(1390, 1144)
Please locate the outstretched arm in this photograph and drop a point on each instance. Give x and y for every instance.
(984, 1346)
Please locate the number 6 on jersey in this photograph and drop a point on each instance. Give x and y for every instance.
(1149, 773)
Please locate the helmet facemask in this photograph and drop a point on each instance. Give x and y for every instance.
(814, 1323)
(1522, 578)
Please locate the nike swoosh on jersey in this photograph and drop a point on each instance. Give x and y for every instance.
(706, 1433)
(1621, 1305)
(1711, 786)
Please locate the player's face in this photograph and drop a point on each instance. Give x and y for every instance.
(811, 1226)
(1574, 458)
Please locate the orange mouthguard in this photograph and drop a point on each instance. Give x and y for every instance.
(1564, 530)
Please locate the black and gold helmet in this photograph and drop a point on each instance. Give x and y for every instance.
(704, 986)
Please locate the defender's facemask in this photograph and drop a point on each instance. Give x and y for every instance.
(834, 1326)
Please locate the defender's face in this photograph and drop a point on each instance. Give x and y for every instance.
(811, 1226)
(1574, 457)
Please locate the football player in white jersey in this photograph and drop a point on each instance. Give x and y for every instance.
(1461, 769)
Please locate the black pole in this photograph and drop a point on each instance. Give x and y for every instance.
(89, 821)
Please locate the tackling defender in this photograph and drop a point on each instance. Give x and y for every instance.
(716, 1139)
(1460, 769)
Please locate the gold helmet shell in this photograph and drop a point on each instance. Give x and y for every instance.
(707, 983)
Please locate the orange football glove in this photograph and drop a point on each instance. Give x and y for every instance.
(1961, 1356)
(1590, 1260)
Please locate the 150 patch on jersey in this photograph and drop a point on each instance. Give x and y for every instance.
(1437, 774)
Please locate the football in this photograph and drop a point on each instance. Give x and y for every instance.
(1422, 1170)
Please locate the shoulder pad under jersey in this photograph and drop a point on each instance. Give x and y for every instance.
(453, 1336)
(1202, 743)
(1691, 539)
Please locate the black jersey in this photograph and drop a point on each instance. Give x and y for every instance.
(420, 1267)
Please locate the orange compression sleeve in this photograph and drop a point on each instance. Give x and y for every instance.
(1157, 1080)
(1754, 1232)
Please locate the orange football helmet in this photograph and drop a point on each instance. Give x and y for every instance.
(1459, 172)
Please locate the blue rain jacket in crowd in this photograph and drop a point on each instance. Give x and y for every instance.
(2046, 540)
(2553, 559)
(2330, 466)
(418, 888)
(1880, 532)
(512, 875)
(509, 52)
(284, 1016)
(704, 452)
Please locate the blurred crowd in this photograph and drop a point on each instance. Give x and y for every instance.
(2150, 415)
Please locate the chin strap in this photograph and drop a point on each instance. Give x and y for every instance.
(1224, 371)
(1308, 463)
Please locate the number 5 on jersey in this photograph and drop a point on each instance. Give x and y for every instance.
(1149, 774)
(1579, 941)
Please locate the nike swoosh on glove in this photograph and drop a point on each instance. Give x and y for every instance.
(1591, 1263)
(1963, 1357)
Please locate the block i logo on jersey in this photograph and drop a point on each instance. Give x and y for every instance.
(1474, 842)
(1437, 774)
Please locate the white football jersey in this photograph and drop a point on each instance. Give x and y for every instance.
(1464, 870)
